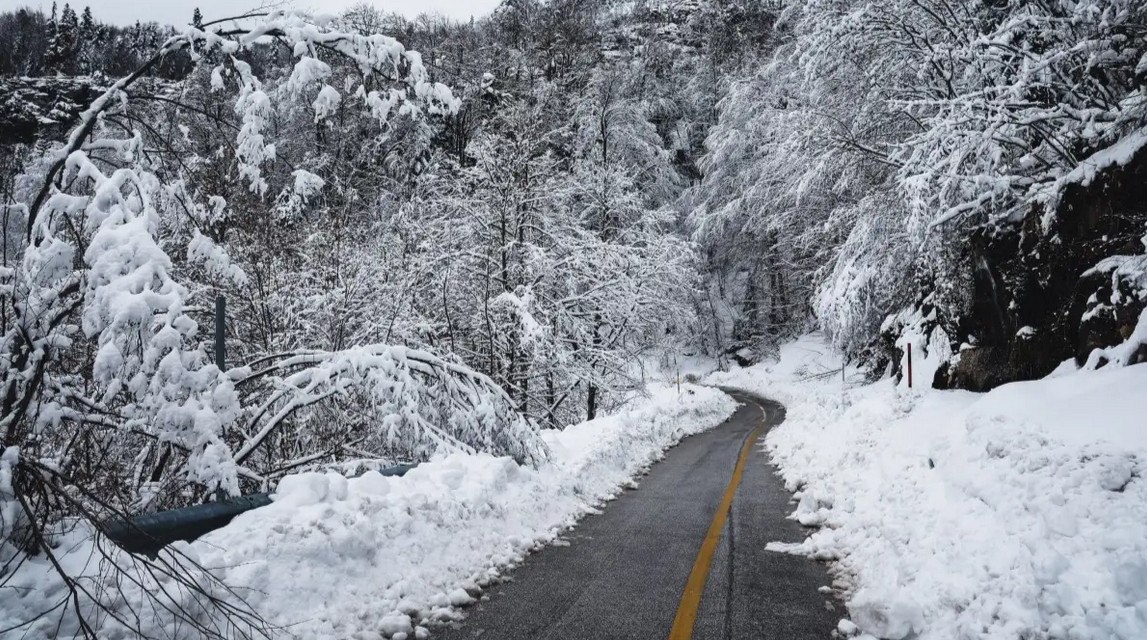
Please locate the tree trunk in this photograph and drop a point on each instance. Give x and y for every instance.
(591, 402)
(591, 395)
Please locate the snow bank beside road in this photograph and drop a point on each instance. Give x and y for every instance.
(373, 557)
(1021, 513)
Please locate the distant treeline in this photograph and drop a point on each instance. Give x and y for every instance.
(70, 42)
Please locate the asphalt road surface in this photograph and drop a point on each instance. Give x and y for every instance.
(624, 573)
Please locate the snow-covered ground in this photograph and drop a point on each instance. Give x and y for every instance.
(1016, 514)
(373, 557)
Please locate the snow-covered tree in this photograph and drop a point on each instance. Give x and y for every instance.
(109, 401)
(886, 144)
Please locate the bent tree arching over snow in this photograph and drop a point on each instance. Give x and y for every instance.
(109, 400)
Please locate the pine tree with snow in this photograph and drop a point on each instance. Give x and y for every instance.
(65, 39)
(52, 54)
(88, 40)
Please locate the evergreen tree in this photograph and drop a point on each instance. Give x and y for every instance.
(197, 19)
(63, 41)
(88, 37)
(68, 38)
(87, 24)
(51, 55)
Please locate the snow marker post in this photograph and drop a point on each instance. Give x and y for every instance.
(909, 365)
(220, 342)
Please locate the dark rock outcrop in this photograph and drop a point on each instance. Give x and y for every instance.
(1037, 293)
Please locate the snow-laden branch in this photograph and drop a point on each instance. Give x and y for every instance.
(420, 403)
(103, 356)
(381, 60)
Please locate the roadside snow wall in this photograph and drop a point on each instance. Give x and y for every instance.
(372, 556)
(951, 515)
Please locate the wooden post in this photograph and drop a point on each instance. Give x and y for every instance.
(220, 339)
(909, 365)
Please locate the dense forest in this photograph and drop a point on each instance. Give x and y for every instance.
(72, 42)
(434, 233)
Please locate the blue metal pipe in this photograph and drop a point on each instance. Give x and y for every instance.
(148, 533)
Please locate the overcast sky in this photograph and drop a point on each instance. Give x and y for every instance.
(179, 11)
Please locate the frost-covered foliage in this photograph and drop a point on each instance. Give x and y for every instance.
(106, 230)
(110, 402)
(886, 144)
(551, 277)
(389, 401)
(527, 236)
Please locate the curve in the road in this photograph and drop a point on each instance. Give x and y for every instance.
(690, 605)
(625, 571)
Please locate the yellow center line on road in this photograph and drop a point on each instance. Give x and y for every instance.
(691, 599)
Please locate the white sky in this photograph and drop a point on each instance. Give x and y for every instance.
(126, 12)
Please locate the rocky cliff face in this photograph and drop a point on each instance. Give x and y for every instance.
(1044, 295)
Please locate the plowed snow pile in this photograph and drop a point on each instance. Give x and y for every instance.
(373, 556)
(1016, 514)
